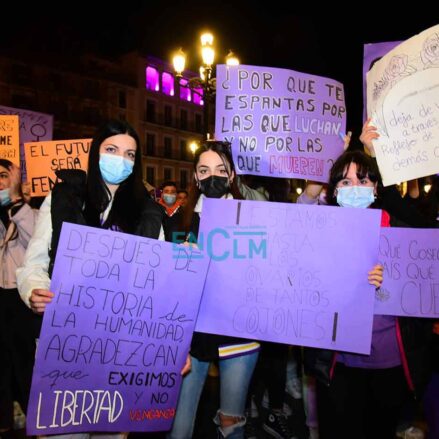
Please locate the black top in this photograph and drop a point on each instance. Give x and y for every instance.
(67, 206)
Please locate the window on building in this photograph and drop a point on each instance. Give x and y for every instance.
(150, 144)
(59, 109)
(198, 123)
(167, 174)
(183, 119)
(183, 150)
(168, 84)
(56, 82)
(185, 92)
(150, 111)
(197, 96)
(91, 116)
(183, 178)
(168, 115)
(168, 147)
(91, 89)
(150, 175)
(122, 99)
(152, 79)
(24, 100)
(21, 74)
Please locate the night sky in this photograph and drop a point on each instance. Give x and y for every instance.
(268, 36)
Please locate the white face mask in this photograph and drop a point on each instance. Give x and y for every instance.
(5, 197)
(355, 196)
(114, 168)
(169, 199)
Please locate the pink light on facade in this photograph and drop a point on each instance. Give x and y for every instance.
(198, 96)
(185, 93)
(152, 79)
(168, 84)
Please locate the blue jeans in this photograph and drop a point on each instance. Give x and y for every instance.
(235, 375)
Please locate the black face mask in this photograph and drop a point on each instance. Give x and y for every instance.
(214, 186)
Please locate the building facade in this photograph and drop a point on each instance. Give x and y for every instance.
(84, 92)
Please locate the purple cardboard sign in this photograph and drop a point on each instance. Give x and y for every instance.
(373, 52)
(116, 335)
(281, 123)
(34, 127)
(411, 273)
(289, 273)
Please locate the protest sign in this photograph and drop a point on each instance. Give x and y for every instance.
(403, 101)
(411, 273)
(281, 123)
(34, 127)
(44, 158)
(116, 335)
(9, 139)
(289, 273)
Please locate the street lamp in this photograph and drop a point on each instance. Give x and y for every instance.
(205, 82)
(193, 146)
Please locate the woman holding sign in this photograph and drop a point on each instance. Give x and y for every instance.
(17, 341)
(214, 177)
(111, 196)
(358, 395)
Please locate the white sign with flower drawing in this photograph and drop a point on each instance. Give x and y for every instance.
(403, 101)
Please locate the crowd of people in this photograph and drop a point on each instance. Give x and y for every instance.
(346, 395)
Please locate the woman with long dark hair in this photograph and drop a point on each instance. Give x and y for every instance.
(111, 195)
(214, 177)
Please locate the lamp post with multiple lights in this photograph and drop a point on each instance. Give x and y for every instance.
(205, 84)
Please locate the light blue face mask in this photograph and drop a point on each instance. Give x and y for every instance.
(169, 199)
(114, 168)
(355, 196)
(5, 197)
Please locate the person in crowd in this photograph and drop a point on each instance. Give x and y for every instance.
(111, 196)
(214, 177)
(172, 207)
(361, 396)
(17, 338)
(182, 197)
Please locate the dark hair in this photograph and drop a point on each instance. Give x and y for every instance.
(168, 183)
(130, 196)
(6, 164)
(223, 150)
(366, 167)
(183, 191)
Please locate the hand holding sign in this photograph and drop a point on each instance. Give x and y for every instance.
(39, 299)
(375, 276)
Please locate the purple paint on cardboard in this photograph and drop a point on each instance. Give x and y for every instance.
(290, 273)
(411, 273)
(281, 123)
(116, 335)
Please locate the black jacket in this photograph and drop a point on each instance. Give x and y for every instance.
(67, 206)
